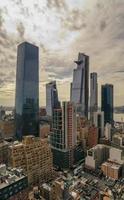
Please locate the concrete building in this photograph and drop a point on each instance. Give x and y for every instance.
(96, 156)
(44, 130)
(13, 184)
(80, 84)
(52, 101)
(112, 170)
(93, 94)
(3, 151)
(69, 124)
(92, 139)
(118, 140)
(34, 156)
(27, 91)
(98, 121)
(7, 128)
(107, 103)
(108, 132)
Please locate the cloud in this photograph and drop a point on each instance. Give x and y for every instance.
(62, 29)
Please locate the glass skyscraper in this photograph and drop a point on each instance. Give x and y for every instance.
(52, 101)
(27, 91)
(107, 103)
(80, 84)
(93, 94)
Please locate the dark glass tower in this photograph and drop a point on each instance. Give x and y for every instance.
(52, 101)
(27, 90)
(107, 103)
(80, 84)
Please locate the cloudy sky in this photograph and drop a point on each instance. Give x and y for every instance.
(62, 28)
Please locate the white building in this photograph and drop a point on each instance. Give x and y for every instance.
(96, 156)
(107, 132)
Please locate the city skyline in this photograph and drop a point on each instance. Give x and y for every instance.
(106, 35)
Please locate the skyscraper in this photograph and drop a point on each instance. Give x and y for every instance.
(63, 135)
(52, 101)
(98, 120)
(107, 102)
(93, 94)
(27, 90)
(80, 84)
(69, 124)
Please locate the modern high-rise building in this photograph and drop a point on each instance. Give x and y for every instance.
(52, 101)
(27, 90)
(63, 137)
(93, 94)
(69, 124)
(80, 84)
(107, 103)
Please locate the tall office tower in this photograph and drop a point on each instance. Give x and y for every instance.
(63, 135)
(69, 124)
(98, 120)
(80, 84)
(93, 94)
(107, 103)
(27, 90)
(52, 101)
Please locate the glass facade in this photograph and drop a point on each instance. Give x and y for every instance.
(52, 101)
(80, 84)
(27, 90)
(107, 103)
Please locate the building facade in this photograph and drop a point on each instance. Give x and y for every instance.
(63, 135)
(98, 121)
(80, 84)
(107, 104)
(13, 184)
(27, 90)
(52, 101)
(34, 156)
(93, 94)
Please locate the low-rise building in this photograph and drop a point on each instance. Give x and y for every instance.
(13, 184)
(96, 156)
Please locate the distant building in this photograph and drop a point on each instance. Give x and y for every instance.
(108, 131)
(96, 156)
(107, 103)
(52, 101)
(92, 139)
(112, 170)
(3, 151)
(80, 84)
(98, 121)
(7, 128)
(34, 156)
(42, 112)
(27, 90)
(93, 94)
(44, 130)
(13, 184)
